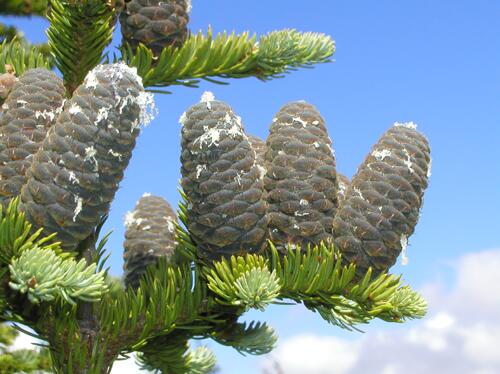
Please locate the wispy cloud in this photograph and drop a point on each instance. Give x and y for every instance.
(461, 334)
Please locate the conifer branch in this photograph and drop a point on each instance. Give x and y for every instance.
(44, 276)
(166, 295)
(229, 56)
(243, 281)
(16, 235)
(171, 354)
(88, 318)
(256, 338)
(22, 56)
(78, 34)
(318, 278)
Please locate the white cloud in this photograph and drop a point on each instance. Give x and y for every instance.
(318, 353)
(478, 276)
(461, 334)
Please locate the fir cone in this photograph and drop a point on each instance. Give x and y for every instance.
(382, 203)
(343, 184)
(30, 110)
(75, 174)
(150, 235)
(155, 23)
(223, 182)
(301, 180)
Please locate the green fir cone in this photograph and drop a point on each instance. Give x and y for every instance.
(301, 181)
(222, 181)
(150, 234)
(31, 108)
(343, 184)
(75, 174)
(383, 202)
(155, 23)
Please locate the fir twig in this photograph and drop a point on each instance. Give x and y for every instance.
(229, 56)
(22, 56)
(78, 34)
(16, 235)
(44, 276)
(132, 316)
(243, 281)
(317, 277)
(256, 338)
(170, 354)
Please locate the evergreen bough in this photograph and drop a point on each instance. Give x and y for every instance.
(260, 221)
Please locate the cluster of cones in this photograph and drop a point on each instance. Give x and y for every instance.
(66, 157)
(243, 191)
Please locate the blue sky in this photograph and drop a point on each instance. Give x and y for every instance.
(434, 63)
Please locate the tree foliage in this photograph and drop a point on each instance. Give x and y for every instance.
(89, 319)
(78, 34)
(22, 56)
(229, 56)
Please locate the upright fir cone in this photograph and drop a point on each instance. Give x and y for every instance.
(382, 203)
(155, 23)
(301, 180)
(30, 110)
(75, 174)
(150, 234)
(222, 181)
